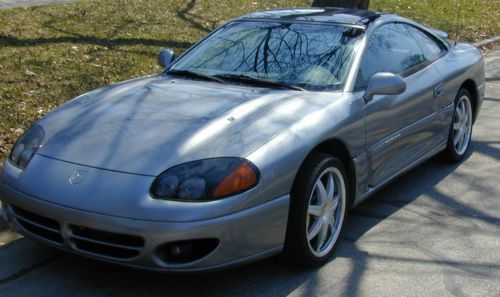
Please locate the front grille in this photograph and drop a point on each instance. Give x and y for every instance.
(83, 239)
(106, 243)
(39, 226)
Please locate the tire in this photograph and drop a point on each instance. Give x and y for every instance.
(311, 212)
(458, 146)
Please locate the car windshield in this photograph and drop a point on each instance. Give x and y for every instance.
(295, 55)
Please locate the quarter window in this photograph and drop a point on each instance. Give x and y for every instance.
(390, 49)
(432, 50)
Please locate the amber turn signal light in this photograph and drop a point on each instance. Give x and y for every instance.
(240, 179)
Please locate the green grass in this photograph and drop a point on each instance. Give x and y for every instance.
(467, 20)
(49, 54)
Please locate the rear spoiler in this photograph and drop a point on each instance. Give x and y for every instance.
(443, 35)
(440, 33)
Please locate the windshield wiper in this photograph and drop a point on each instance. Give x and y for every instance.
(194, 74)
(255, 80)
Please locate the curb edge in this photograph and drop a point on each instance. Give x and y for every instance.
(487, 41)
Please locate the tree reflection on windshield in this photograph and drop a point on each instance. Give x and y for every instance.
(313, 56)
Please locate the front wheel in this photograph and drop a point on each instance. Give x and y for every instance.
(461, 127)
(317, 210)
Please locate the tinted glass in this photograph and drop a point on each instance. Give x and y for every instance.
(432, 50)
(313, 56)
(390, 49)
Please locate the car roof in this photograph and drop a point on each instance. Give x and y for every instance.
(318, 14)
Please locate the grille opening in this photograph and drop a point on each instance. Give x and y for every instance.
(107, 237)
(41, 220)
(40, 232)
(186, 251)
(114, 245)
(106, 250)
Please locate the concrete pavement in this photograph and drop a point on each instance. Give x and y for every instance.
(433, 232)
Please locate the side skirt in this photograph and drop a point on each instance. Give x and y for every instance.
(372, 190)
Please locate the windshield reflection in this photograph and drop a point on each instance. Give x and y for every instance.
(312, 56)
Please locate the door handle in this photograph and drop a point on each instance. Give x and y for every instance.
(438, 91)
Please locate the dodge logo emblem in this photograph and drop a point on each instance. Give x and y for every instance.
(78, 176)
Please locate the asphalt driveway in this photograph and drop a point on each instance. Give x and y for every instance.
(433, 232)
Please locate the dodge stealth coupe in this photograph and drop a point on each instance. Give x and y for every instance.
(255, 141)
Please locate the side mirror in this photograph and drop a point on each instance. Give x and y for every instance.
(384, 83)
(166, 57)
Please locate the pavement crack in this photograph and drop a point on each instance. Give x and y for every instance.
(27, 270)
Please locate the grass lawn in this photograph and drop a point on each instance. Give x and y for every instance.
(49, 54)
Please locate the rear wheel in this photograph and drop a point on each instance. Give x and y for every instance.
(461, 128)
(317, 210)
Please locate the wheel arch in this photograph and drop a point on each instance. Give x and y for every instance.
(470, 85)
(337, 148)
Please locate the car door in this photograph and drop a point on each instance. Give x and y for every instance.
(400, 129)
(434, 50)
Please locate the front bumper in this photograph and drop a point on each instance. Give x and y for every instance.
(243, 236)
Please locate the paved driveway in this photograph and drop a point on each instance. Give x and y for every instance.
(433, 232)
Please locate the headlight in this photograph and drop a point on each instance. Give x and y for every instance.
(205, 180)
(26, 146)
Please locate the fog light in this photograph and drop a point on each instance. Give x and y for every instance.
(186, 251)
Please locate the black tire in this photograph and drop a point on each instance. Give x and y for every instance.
(297, 246)
(451, 153)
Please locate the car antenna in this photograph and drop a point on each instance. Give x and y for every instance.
(459, 16)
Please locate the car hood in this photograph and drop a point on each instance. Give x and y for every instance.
(145, 126)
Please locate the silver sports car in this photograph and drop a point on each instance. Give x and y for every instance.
(255, 141)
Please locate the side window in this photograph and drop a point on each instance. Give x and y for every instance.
(390, 49)
(432, 48)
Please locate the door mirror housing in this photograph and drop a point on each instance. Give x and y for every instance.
(384, 83)
(166, 57)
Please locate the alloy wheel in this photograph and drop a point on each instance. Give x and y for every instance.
(325, 212)
(462, 125)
